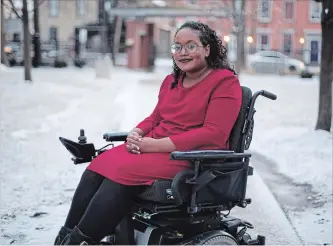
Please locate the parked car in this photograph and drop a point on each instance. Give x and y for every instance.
(274, 62)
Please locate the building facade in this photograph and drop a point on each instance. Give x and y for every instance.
(289, 26)
(58, 18)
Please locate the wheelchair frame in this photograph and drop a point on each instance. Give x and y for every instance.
(184, 220)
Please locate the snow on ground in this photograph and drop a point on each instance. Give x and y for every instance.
(37, 176)
(284, 134)
(60, 102)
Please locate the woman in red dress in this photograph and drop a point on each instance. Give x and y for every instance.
(197, 107)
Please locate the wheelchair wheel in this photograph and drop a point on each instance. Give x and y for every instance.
(220, 240)
(212, 238)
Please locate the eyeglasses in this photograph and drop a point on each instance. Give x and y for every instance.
(190, 48)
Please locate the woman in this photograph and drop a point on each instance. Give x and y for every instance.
(197, 108)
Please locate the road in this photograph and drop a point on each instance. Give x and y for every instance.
(37, 177)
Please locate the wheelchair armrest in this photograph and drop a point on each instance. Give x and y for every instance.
(115, 136)
(202, 155)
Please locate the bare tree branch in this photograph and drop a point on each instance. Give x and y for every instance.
(14, 10)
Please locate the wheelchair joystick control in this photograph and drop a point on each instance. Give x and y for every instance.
(82, 138)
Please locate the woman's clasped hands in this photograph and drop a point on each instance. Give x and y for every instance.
(137, 144)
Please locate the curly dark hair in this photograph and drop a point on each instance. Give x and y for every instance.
(218, 53)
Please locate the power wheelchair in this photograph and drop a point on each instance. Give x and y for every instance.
(194, 207)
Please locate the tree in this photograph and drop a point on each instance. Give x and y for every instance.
(324, 120)
(27, 42)
(239, 28)
(26, 36)
(236, 12)
(36, 40)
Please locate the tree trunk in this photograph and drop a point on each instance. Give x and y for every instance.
(27, 42)
(37, 48)
(326, 73)
(239, 22)
(4, 58)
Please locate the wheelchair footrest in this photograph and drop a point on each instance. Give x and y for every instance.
(260, 240)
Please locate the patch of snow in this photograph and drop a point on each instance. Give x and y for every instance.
(284, 132)
(302, 154)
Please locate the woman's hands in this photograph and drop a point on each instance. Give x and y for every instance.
(133, 139)
(137, 144)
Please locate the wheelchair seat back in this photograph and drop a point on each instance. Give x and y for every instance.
(238, 136)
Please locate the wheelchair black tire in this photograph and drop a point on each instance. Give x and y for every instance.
(219, 240)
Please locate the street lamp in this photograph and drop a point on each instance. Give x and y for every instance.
(250, 39)
(301, 40)
(226, 38)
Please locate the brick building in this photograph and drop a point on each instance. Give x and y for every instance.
(290, 26)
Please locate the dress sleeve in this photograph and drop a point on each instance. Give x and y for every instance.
(153, 120)
(221, 115)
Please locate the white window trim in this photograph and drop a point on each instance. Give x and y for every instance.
(264, 19)
(263, 31)
(311, 5)
(284, 10)
(288, 31)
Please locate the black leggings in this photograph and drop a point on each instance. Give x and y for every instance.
(99, 204)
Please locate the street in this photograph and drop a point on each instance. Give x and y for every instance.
(37, 177)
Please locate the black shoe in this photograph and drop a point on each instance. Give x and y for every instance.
(64, 231)
(76, 237)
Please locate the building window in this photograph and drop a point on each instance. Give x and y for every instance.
(54, 7)
(263, 42)
(81, 7)
(289, 9)
(287, 43)
(53, 33)
(315, 11)
(264, 10)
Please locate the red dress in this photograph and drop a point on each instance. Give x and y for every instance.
(199, 117)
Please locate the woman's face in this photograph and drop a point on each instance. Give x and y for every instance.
(188, 51)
